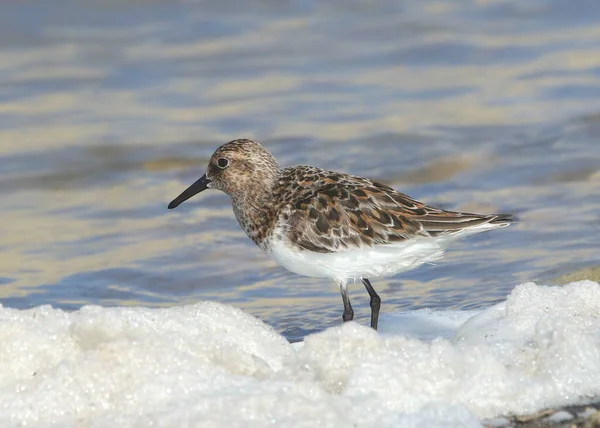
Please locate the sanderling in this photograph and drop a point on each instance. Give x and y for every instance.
(322, 223)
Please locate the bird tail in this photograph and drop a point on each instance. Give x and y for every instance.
(454, 223)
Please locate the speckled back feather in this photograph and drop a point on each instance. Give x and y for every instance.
(326, 211)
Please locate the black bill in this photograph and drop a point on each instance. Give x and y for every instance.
(194, 189)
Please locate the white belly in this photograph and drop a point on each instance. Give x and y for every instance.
(382, 260)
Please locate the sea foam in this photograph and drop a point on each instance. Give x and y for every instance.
(211, 365)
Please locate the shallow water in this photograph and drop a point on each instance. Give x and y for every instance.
(109, 109)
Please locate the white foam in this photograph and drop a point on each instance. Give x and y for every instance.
(210, 365)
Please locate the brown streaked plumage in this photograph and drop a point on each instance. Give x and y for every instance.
(328, 224)
(331, 212)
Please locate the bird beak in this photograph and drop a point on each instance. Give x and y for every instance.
(200, 185)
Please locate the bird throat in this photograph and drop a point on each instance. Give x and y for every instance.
(254, 212)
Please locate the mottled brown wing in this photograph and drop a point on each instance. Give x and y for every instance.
(337, 212)
(334, 212)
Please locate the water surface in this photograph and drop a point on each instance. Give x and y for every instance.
(109, 109)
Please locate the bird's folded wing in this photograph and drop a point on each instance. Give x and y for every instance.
(342, 215)
(338, 218)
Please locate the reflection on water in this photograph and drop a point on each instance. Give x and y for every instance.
(108, 109)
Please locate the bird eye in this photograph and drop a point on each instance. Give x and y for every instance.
(222, 163)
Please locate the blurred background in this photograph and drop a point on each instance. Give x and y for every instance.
(109, 109)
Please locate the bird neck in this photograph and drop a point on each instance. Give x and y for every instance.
(255, 212)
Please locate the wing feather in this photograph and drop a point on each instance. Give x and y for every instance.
(325, 211)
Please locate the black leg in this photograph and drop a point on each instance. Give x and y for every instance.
(375, 303)
(348, 312)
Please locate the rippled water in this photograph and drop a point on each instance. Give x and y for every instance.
(109, 109)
